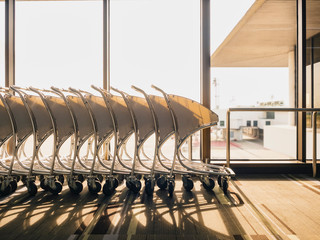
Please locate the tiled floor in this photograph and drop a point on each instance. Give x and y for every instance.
(257, 207)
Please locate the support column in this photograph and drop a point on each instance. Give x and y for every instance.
(302, 86)
(292, 82)
(106, 45)
(205, 72)
(9, 42)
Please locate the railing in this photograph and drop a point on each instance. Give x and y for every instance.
(314, 128)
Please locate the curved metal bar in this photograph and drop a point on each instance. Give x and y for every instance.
(134, 122)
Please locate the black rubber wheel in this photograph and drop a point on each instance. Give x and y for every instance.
(210, 185)
(81, 178)
(108, 189)
(171, 185)
(135, 186)
(76, 188)
(115, 183)
(24, 179)
(43, 185)
(225, 186)
(95, 189)
(18, 178)
(120, 178)
(149, 187)
(219, 180)
(61, 179)
(187, 183)
(6, 190)
(162, 182)
(32, 188)
(14, 185)
(58, 188)
(100, 178)
(128, 184)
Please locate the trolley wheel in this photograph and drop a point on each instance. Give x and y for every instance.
(18, 178)
(115, 182)
(76, 187)
(6, 190)
(41, 177)
(24, 179)
(57, 189)
(171, 185)
(94, 188)
(120, 178)
(187, 183)
(162, 182)
(100, 178)
(43, 185)
(61, 179)
(81, 178)
(32, 188)
(210, 184)
(14, 185)
(225, 185)
(135, 186)
(149, 188)
(109, 187)
(219, 180)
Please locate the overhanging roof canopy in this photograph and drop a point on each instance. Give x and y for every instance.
(265, 35)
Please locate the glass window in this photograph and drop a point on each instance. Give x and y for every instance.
(221, 123)
(2, 43)
(255, 123)
(248, 123)
(59, 43)
(152, 43)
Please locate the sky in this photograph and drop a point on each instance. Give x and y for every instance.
(152, 42)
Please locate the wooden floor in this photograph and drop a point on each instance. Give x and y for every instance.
(258, 207)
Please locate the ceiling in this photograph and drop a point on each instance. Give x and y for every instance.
(265, 35)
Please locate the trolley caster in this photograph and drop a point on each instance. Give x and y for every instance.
(208, 183)
(225, 185)
(61, 179)
(110, 186)
(162, 182)
(100, 177)
(75, 187)
(14, 185)
(81, 178)
(4, 189)
(171, 185)
(57, 188)
(149, 186)
(43, 185)
(18, 178)
(219, 180)
(134, 185)
(94, 187)
(187, 183)
(32, 188)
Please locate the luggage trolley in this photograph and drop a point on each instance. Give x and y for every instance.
(107, 130)
(51, 175)
(86, 133)
(127, 125)
(188, 117)
(64, 131)
(145, 125)
(165, 129)
(8, 181)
